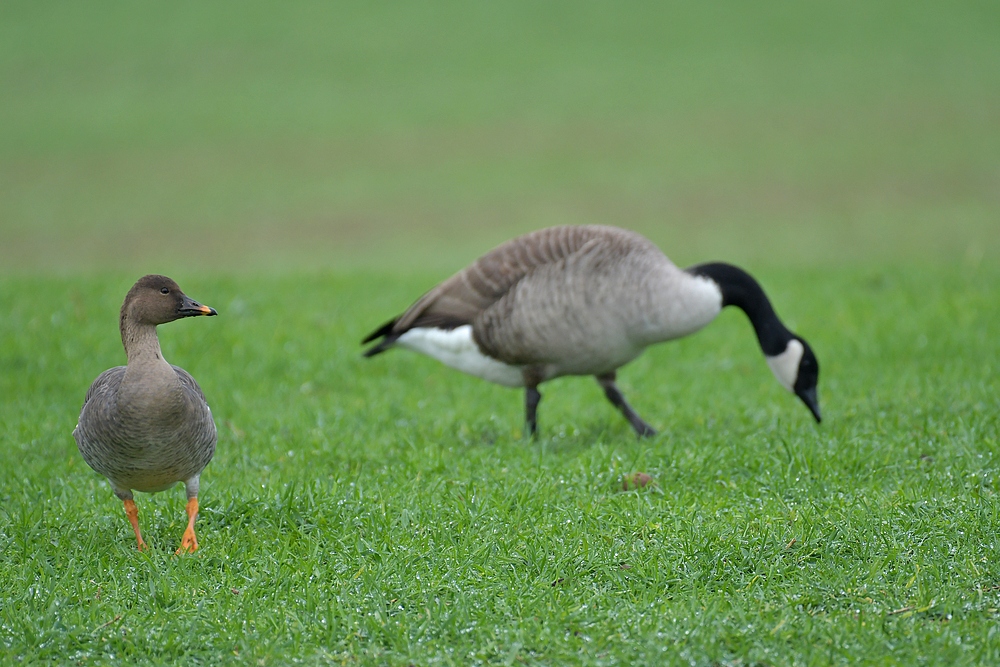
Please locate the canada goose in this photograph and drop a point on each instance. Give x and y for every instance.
(146, 426)
(584, 300)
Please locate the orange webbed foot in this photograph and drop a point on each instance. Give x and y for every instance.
(189, 543)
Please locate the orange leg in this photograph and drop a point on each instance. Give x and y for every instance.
(189, 542)
(133, 518)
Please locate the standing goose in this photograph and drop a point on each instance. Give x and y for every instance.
(584, 300)
(146, 426)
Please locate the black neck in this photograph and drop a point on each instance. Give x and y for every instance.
(740, 289)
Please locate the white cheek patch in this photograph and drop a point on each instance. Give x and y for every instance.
(785, 366)
(457, 349)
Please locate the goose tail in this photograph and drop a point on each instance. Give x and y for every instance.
(384, 332)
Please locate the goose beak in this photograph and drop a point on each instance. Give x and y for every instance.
(191, 308)
(809, 397)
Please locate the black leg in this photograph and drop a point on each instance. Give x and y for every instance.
(531, 399)
(642, 429)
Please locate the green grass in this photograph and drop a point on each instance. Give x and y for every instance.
(388, 510)
(309, 170)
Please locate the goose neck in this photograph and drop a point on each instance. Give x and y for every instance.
(740, 289)
(141, 343)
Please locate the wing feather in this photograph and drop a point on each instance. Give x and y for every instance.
(459, 300)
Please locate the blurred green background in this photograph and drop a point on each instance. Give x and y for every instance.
(310, 168)
(399, 137)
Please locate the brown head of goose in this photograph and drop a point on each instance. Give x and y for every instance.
(146, 426)
(584, 300)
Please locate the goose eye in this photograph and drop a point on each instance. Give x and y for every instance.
(164, 290)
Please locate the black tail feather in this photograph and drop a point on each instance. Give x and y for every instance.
(383, 330)
(383, 345)
(386, 342)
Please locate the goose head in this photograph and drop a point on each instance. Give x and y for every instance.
(797, 369)
(156, 299)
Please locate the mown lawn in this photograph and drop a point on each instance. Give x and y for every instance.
(310, 169)
(388, 510)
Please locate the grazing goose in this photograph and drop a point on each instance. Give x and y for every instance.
(584, 300)
(146, 426)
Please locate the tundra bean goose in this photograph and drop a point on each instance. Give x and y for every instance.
(146, 426)
(584, 300)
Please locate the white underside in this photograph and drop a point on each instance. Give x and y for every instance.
(785, 366)
(457, 349)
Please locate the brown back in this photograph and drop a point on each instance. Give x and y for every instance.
(461, 298)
